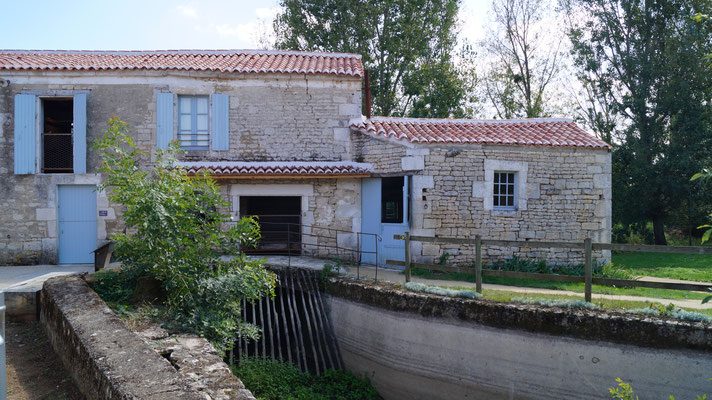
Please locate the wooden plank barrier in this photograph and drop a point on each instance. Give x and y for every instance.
(586, 246)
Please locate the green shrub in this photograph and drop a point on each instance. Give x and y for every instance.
(271, 379)
(177, 232)
(599, 269)
(671, 311)
(116, 286)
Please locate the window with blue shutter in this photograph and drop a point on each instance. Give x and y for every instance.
(25, 139)
(193, 126)
(164, 120)
(221, 122)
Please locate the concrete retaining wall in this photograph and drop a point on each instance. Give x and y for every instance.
(107, 360)
(415, 346)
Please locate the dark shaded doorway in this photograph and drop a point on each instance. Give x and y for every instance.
(279, 218)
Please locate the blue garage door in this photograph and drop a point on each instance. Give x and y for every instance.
(77, 224)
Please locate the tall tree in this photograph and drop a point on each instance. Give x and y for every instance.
(644, 59)
(525, 58)
(407, 44)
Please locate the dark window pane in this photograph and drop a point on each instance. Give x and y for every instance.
(510, 189)
(392, 200)
(510, 201)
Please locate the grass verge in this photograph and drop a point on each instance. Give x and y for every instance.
(693, 267)
(506, 296)
(569, 286)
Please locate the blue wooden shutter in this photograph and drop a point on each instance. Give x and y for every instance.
(221, 122)
(25, 139)
(164, 120)
(79, 135)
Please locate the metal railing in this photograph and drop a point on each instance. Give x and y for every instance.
(3, 341)
(323, 238)
(586, 246)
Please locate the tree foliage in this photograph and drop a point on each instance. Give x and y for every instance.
(644, 60)
(407, 44)
(177, 232)
(526, 58)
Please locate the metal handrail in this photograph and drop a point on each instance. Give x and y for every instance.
(3, 341)
(290, 230)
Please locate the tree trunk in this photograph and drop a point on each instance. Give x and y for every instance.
(659, 231)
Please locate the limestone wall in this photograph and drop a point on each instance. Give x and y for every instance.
(272, 117)
(108, 361)
(417, 346)
(564, 195)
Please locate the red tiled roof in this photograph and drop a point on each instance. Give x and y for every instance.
(239, 61)
(524, 132)
(277, 168)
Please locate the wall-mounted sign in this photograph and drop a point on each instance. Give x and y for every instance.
(103, 213)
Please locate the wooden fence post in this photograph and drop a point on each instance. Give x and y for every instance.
(478, 263)
(407, 256)
(587, 248)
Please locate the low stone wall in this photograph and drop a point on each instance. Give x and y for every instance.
(109, 361)
(417, 346)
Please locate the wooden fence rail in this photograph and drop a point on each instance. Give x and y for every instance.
(586, 246)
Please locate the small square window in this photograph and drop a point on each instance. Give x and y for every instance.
(193, 123)
(505, 189)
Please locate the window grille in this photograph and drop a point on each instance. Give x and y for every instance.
(504, 190)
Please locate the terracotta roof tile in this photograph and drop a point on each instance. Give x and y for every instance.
(238, 61)
(277, 168)
(524, 132)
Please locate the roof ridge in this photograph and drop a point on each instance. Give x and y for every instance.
(185, 51)
(469, 121)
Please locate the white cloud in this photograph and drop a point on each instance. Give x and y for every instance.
(267, 13)
(188, 11)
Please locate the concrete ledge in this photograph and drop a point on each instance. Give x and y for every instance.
(106, 360)
(591, 325)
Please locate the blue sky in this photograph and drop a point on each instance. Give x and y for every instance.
(156, 24)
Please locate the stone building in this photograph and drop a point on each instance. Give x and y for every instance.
(283, 134)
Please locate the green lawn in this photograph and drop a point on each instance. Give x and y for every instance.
(570, 286)
(607, 304)
(694, 267)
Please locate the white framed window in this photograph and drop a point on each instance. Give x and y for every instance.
(193, 122)
(504, 190)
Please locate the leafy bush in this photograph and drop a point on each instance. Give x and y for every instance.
(177, 233)
(625, 392)
(421, 288)
(567, 304)
(271, 379)
(116, 286)
(543, 267)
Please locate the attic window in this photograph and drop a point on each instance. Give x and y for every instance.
(57, 130)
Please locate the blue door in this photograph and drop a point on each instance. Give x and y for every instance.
(77, 224)
(384, 211)
(370, 218)
(394, 217)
